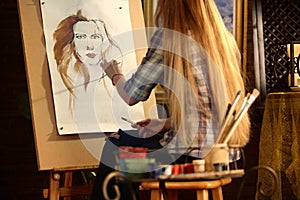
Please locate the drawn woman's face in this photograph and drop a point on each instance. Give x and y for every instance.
(88, 40)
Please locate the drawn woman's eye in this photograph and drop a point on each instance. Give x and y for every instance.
(96, 36)
(80, 36)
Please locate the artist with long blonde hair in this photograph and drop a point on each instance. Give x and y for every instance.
(196, 60)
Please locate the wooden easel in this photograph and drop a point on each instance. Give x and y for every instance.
(61, 185)
(54, 152)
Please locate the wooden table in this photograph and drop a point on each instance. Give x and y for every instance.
(169, 185)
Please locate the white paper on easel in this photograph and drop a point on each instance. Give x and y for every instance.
(95, 107)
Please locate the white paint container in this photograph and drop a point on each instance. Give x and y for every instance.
(199, 166)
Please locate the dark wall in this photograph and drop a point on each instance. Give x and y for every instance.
(19, 175)
(19, 178)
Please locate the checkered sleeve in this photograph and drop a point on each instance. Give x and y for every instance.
(149, 73)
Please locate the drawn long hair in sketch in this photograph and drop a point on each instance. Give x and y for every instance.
(87, 48)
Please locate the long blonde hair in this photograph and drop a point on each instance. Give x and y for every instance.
(201, 20)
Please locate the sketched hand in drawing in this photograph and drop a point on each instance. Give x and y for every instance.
(84, 43)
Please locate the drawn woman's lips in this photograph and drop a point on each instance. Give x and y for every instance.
(91, 55)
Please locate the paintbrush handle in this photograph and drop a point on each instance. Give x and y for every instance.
(242, 108)
(235, 124)
(229, 116)
(241, 114)
(238, 119)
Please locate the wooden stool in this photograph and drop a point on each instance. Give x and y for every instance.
(201, 188)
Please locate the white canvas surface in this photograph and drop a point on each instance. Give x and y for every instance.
(98, 107)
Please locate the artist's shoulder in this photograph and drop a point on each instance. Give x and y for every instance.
(156, 38)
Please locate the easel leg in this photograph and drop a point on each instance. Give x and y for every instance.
(54, 186)
(68, 182)
(65, 192)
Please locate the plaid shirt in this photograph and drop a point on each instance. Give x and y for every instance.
(151, 72)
